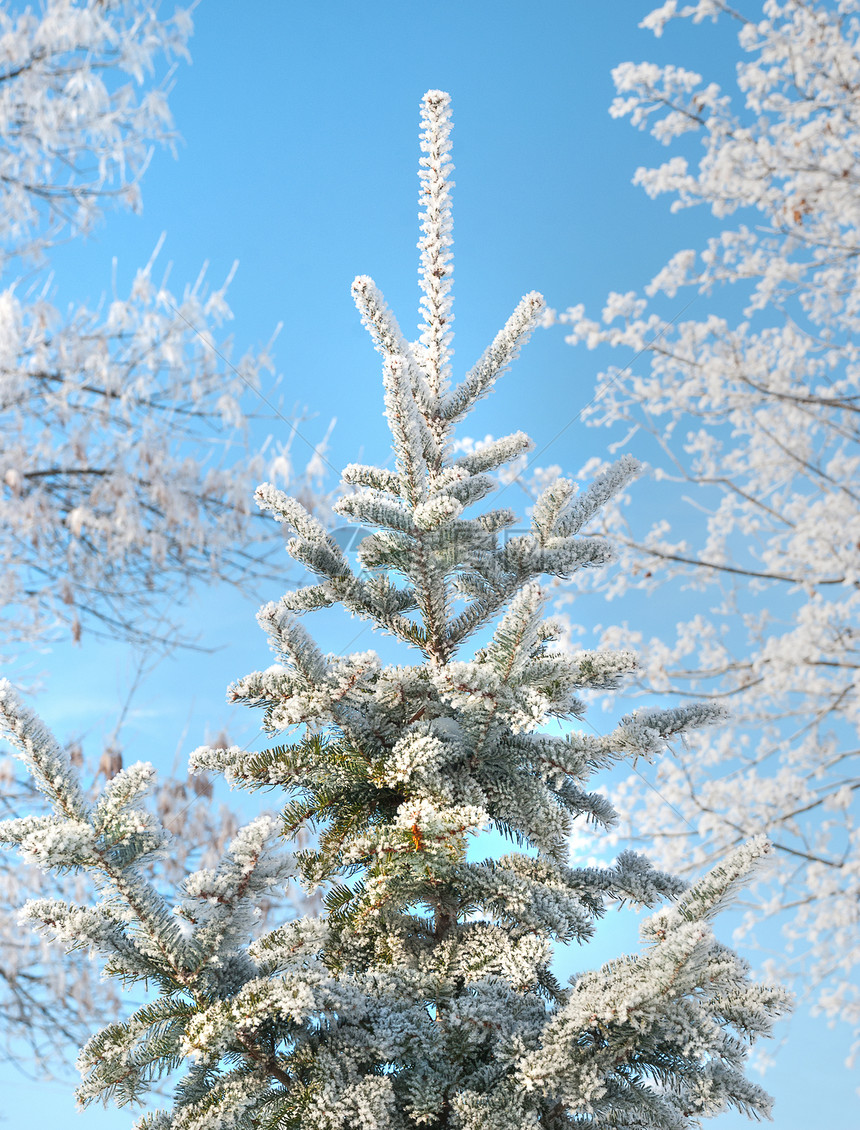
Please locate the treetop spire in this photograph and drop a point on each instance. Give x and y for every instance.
(436, 272)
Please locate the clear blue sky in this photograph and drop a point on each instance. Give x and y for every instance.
(299, 158)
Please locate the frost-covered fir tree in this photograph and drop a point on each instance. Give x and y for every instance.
(424, 996)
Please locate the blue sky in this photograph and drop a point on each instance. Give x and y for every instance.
(299, 154)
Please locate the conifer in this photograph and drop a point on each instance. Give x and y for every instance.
(424, 996)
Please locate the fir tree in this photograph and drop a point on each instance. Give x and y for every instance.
(424, 996)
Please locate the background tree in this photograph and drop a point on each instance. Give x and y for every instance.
(124, 473)
(125, 470)
(424, 996)
(747, 408)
